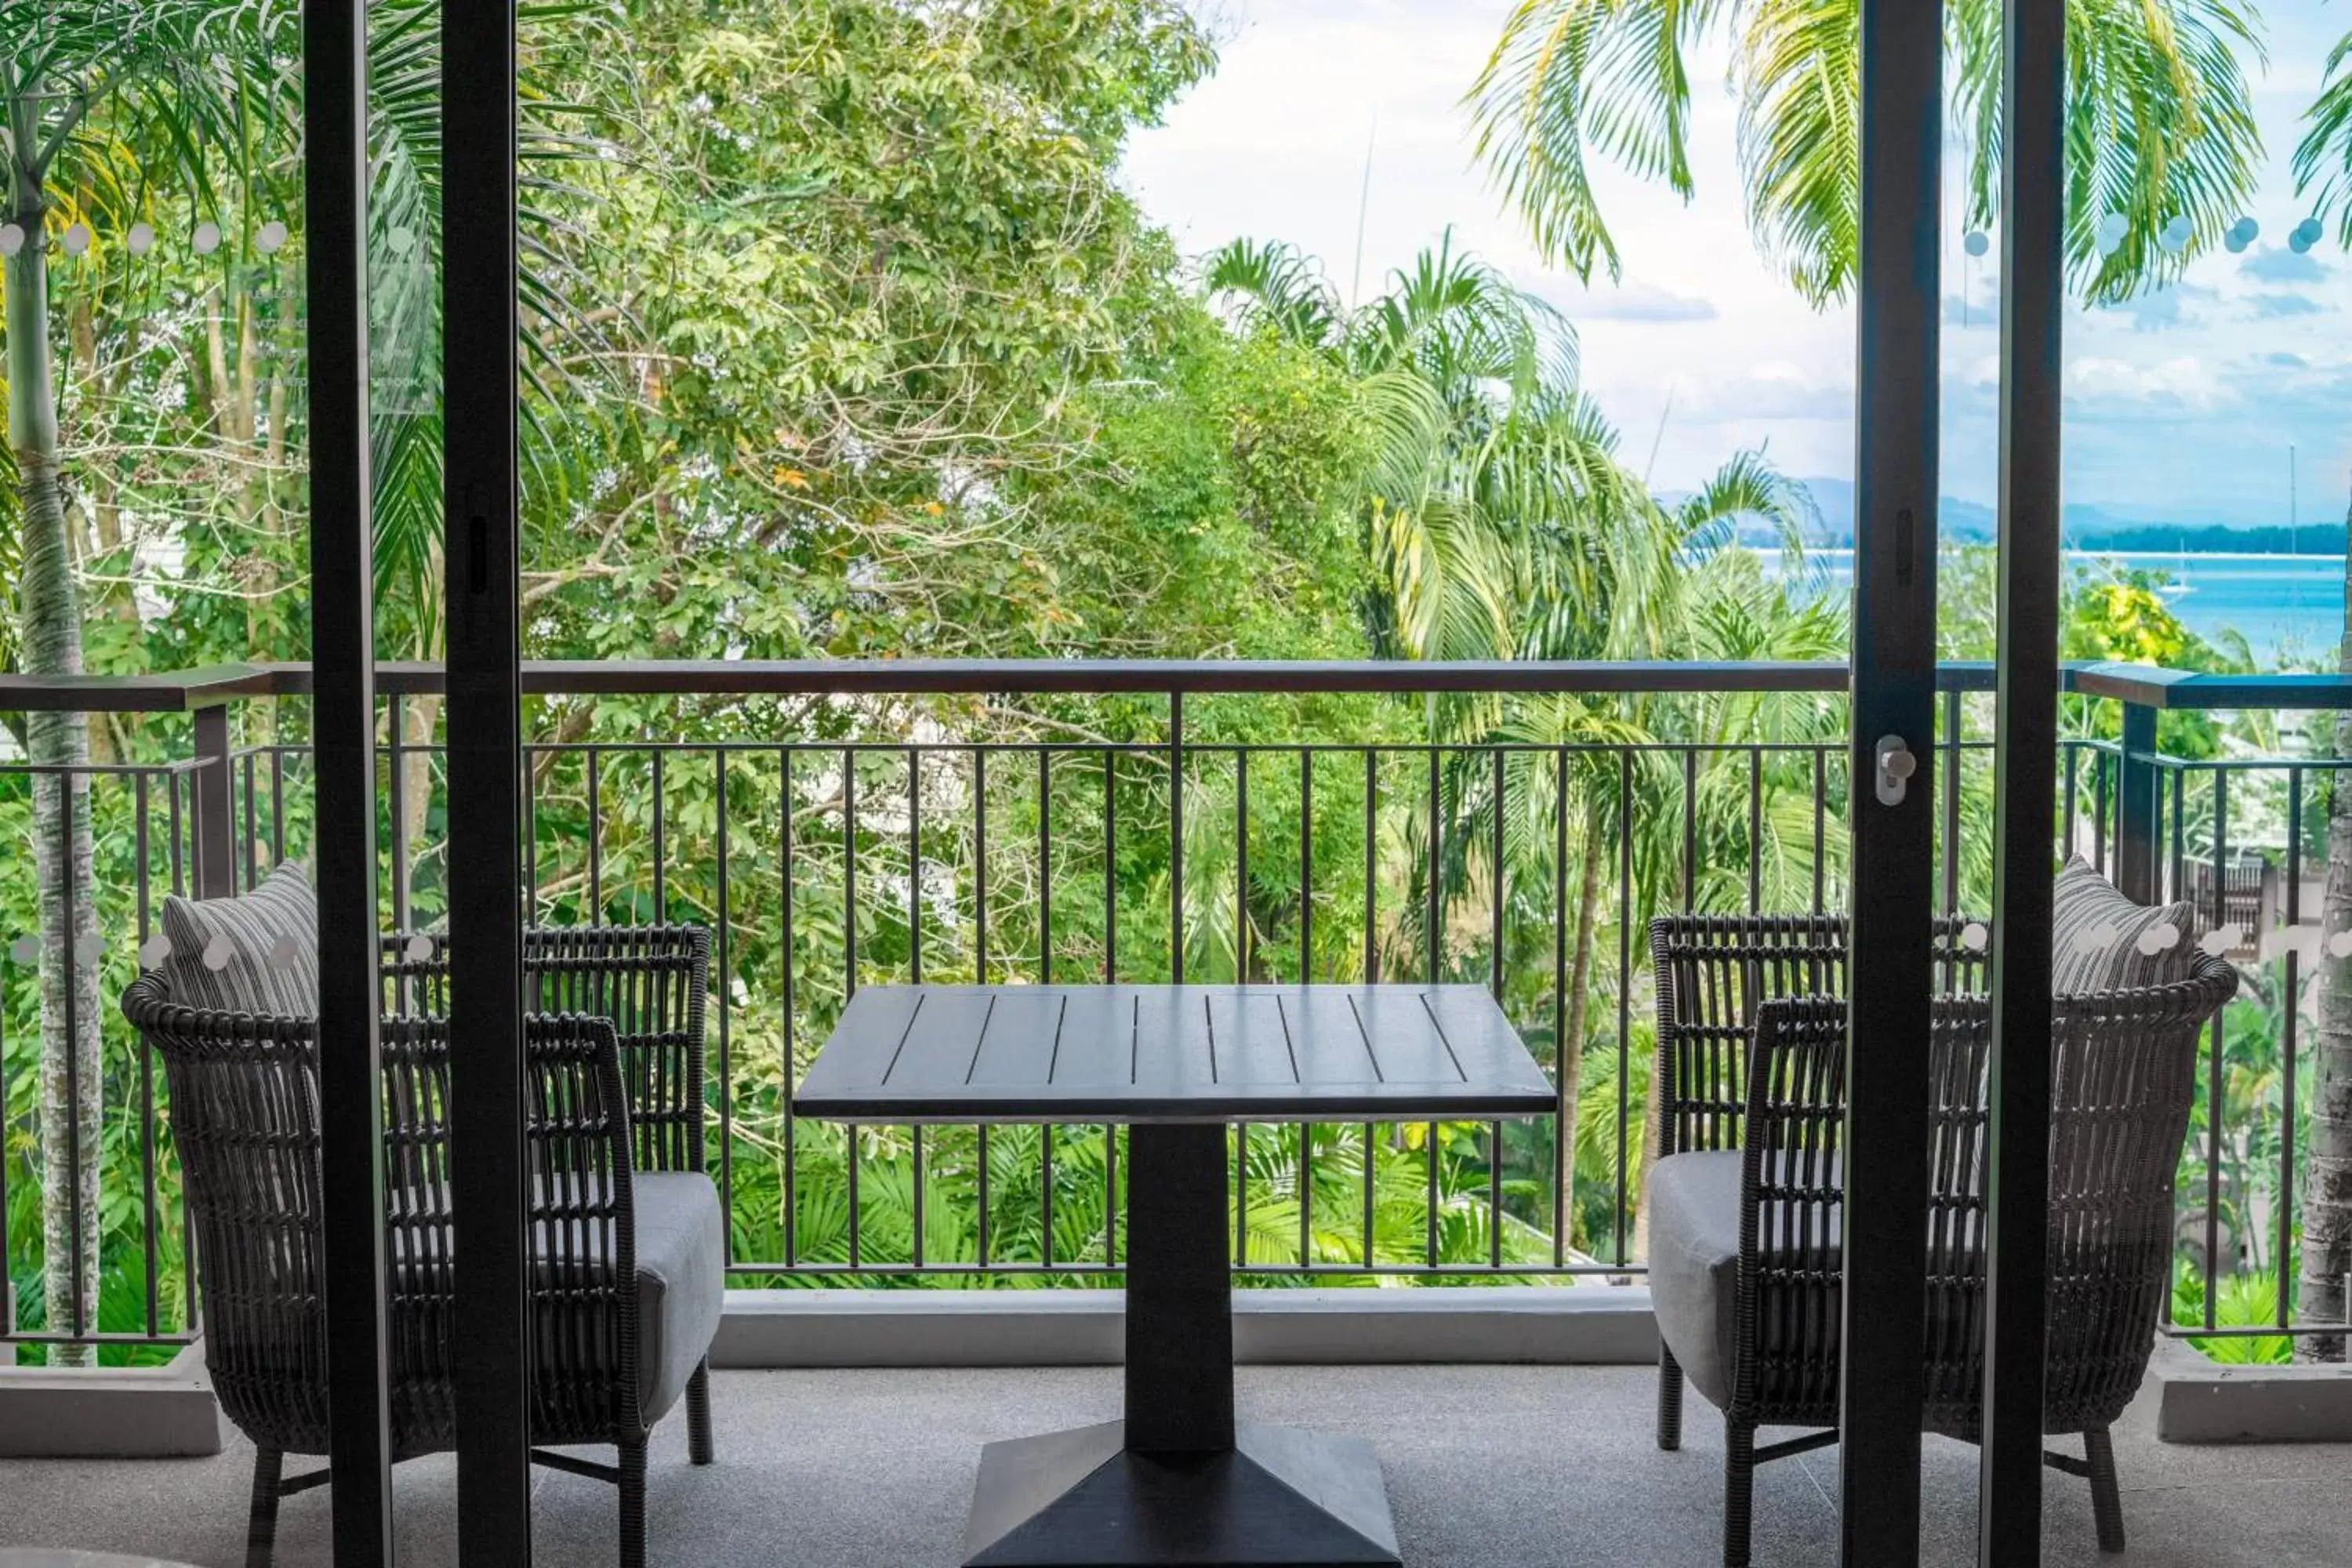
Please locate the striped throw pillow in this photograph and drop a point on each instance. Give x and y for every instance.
(2101, 940)
(257, 953)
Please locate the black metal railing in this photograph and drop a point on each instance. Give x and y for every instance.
(843, 824)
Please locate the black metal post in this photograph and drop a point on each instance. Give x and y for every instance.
(484, 761)
(2137, 850)
(213, 818)
(2025, 760)
(1894, 694)
(342, 653)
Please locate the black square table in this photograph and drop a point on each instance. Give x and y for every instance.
(1179, 1481)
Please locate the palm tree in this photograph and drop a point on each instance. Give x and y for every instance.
(2323, 169)
(185, 92)
(2161, 133)
(1503, 525)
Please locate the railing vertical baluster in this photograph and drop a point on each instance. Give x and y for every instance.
(7, 1261)
(1046, 869)
(1372, 958)
(1495, 896)
(2215, 1065)
(849, 982)
(596, 837)
(2099, 788)
(1176, 836)
(1820, 835)
(530, 755)
(139, 870)
(849, 869)
(175, 827)
(784, 889)
(1306, 977)
(2283, 1269)
(1625, 979)
(1110, 1195)
(1690, 827)
(1306, 866)
(1241, 866)
(1371, 866)
(1564, 1114)
(915, 865)
(75, 1218)
(661, 838)
(1755, 830)
(277, 803)
(1436, 839)
(1494, 885)
(1955, 716)
(252, 826)
(397, 752)
(726, 989)
(2179, 835)
(1241, 976)
(2073, 766)
(915, 962)
(979, 865)
(1110, 868)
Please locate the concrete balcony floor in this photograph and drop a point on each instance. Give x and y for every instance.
(1487, 1465)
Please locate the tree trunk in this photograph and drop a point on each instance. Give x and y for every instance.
(50, 643)
(1572, 1031)
(2326, 1254)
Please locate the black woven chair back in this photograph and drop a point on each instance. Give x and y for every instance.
(650, 981)
(244, 1119)
(1712, 972)
(2123, 1070)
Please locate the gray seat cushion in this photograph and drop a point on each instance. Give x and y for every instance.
(257, 953)
(1695, 1263)
(681, 1282)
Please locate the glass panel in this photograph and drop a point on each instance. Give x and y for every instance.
(153, 518)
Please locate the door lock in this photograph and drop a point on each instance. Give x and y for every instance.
(1896, 764)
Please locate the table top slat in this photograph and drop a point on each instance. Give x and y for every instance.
(1328, 1035)
(1097, 1041)
(1174, 1055)
(942, 1039)
(1249, 1040)
(1404, 1040)
(1025, 1038)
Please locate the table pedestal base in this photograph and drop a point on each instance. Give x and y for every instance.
(1277, 1495)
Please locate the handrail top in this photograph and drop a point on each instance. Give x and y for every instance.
(187, 691)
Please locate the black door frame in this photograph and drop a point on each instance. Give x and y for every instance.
(2025, 750)
(481, 383)
(1897, 343)
(342, 653)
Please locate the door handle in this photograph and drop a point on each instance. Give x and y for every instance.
(1896, 764)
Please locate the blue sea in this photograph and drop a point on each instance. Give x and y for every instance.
(2289, 608)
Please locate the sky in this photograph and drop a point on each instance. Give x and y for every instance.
(2181, 406)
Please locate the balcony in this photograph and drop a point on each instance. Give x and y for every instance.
(832, 825)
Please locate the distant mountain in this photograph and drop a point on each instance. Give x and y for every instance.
(2087, 527)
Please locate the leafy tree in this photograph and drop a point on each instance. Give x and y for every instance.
(190, 89)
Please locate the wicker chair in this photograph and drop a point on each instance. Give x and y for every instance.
(1746, 1223)
(615, 1345)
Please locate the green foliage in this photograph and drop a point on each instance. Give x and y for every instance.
(2159, 124)
(2246, 1301)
